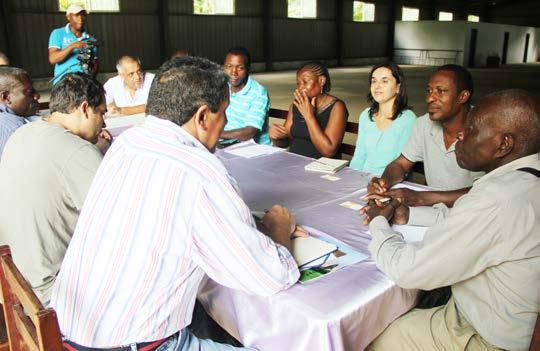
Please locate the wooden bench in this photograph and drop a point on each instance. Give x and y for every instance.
(347, 149)
(30, 326)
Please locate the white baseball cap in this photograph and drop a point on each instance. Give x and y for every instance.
(75, 9)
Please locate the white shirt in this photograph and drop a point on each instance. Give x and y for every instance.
(117, 93)
(161, 213)
(487, 247)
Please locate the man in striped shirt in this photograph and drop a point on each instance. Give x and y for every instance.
(161, 213)
(249, 102)
(18, 100)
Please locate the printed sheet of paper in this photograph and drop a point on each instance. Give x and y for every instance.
(251, 149)
(309, 249)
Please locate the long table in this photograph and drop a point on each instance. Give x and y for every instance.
(344, 310)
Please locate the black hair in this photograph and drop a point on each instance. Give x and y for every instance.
(73, 89)
(240, 51)
(319, 69)
(400, 103)
(182, 85)
(462, 78)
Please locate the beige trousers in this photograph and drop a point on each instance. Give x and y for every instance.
(440, 328)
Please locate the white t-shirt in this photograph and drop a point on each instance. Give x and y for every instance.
(117, 93)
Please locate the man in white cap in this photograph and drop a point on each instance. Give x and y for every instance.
(66, 42)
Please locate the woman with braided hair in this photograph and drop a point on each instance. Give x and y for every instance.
(316, 121)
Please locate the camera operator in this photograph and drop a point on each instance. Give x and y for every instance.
(71, 48)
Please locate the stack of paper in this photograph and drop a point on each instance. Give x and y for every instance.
(326, 165)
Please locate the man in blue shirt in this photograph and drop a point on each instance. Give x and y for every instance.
(18, 100)
(249, 103)
(65, 43)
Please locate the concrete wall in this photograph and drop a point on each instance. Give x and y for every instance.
(430, 36)
(429, 42)
(491, 38)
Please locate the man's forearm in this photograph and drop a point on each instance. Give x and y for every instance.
(430, 198)
(242, 134)
(131, 110)
(393, 174)
(58, 56)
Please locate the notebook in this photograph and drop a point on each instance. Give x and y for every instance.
(309, 249)
(326, 165)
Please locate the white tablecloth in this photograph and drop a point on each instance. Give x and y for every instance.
(344, 310)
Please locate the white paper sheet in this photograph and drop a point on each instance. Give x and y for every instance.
(250, 149)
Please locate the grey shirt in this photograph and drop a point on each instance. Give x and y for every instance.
(487, 247)
(45, 173)
(426, 144)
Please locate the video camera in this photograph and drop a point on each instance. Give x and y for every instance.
(86, 55)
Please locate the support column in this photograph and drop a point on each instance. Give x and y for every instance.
(5, 21)
(391, 27)
(268, 25)
(339, 32)
(163, 22)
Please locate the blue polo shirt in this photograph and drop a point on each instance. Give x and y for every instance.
(61, 38)
(375, 149)
(249, 107)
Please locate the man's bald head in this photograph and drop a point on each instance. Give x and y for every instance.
(126, 60)
(4, 61)
(517, 113)
(129, 68)
(10, 77)
(502, 127)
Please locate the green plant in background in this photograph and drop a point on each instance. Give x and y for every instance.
(64, 4)
(203, 7)
(358, 11)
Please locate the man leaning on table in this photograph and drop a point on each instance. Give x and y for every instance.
(161, 214)
(448, 96)
(487, 247)
(127, 93)
(46, 170)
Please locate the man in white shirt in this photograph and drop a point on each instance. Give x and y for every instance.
(127, 93)
(162, 213)
(487, 246)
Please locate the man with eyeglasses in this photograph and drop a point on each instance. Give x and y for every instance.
(127, 93)
(433, 139)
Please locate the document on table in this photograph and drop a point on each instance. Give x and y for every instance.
(343, 256)
(309, 249)
(249, 149)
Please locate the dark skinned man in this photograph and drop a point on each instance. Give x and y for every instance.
(449, 93)
(249, 103)
(486, 247)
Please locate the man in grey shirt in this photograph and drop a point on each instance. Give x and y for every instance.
(433, 139)
(487, 247)
(45, 173)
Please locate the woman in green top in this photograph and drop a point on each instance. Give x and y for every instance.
(385, 127)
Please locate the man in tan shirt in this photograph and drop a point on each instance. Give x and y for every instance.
(46, 170)
(487, 247)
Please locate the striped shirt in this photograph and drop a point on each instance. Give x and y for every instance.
(161, 212)
(9, 123)
(249, 107)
